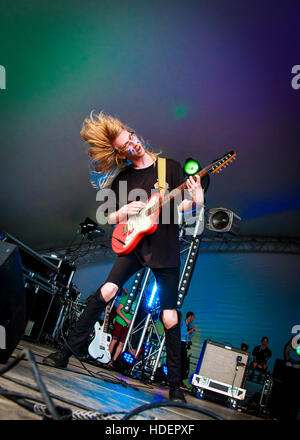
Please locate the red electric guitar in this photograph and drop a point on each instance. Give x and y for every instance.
(127, 235)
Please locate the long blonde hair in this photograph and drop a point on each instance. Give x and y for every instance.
(104, 163)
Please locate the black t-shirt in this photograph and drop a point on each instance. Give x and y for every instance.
(160, 249)
(262, 355)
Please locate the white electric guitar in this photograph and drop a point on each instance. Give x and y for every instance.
(99, 347)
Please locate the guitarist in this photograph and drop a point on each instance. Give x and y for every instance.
(112, 145)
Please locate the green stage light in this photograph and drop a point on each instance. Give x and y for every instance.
(298, 350)
(191, 167)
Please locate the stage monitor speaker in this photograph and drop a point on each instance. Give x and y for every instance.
(223, 363)
(12, 300)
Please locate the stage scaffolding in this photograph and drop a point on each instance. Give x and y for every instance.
(149, 346)
(98, 251)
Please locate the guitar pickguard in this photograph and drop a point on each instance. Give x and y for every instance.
(99, 347)
(140, 222)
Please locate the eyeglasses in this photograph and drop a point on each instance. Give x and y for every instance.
(130, 143)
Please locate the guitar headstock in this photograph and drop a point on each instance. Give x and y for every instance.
(221, 163)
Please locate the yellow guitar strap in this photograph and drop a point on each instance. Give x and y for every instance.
(161, 172)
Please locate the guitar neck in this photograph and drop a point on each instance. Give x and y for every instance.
(106, 319)
(213, 168)
(173, 194)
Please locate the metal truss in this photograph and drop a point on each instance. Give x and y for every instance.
(225, 243)
(85, 252)
(146, 350)
(89, 251)
(151, 344)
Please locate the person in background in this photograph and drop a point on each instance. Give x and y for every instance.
(244, 347)
(187, 331)
(121, 326)
(261, 355)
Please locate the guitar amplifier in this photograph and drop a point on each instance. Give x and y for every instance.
(221, 364)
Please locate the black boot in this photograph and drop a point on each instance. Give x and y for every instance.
(79, 334)
(59, 359)
(173, 351)
(176, 394)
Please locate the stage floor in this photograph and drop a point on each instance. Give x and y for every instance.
(76, 389)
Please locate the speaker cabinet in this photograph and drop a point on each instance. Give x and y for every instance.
(223, 363)
(43, 310)
(12, 300)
